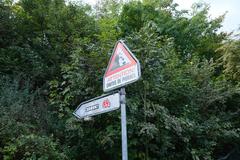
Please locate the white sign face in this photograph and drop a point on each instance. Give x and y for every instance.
(98, 105)
(122, 69)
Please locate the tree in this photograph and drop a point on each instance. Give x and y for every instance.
(230, 58)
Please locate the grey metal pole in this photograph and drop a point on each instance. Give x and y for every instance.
(124, 124)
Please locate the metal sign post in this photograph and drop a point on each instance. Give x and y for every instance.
(123, 69)
(124, 124)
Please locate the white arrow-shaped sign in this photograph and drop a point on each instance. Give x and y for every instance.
(98, 105)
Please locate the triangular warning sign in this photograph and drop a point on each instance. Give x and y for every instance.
(123, 68)
(120, 60)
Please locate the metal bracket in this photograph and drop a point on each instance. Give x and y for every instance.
(87, 118)
(122, 96)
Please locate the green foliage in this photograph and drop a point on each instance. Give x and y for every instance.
(179, 102)
(53, 57)
(230, 59)
(192, 32)
(32, 147)
(23, 121)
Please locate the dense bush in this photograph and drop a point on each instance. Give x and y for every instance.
(53, 56)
